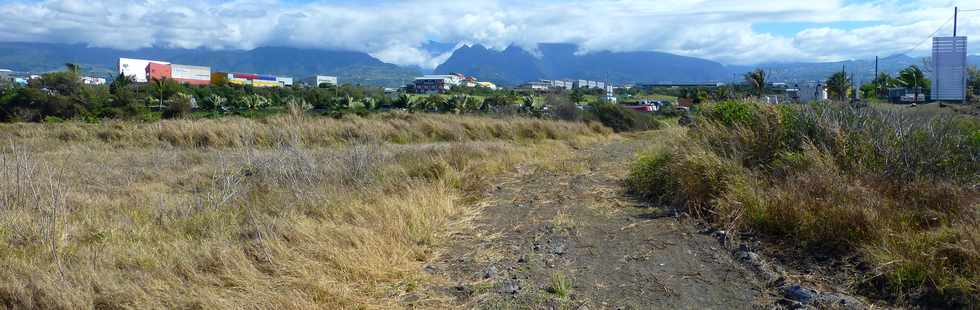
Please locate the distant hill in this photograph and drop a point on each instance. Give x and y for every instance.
(560, 61)
(350, 67)
(862, 70)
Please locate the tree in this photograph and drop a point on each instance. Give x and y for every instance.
(881, 83)
(403, 101)
(576, 96)
(121, 82)
(214, 103)
(973, 83)
(179, 106)
(756, 81)
(913, 77)
(73, 68)
(838, 85)
(164, 89)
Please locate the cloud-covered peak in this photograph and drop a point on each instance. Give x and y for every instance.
(404, 32)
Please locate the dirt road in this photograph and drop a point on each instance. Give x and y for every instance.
(573, 240)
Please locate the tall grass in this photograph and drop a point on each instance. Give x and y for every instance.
(297, 212)
(897, 189)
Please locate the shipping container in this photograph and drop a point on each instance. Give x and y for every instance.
(271, 78)
(239, 81)
(136, 68)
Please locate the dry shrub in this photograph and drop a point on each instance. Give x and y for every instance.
(898, 190)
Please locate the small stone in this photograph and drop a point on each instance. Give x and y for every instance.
(490, 272)
(558, 247)
(510, 287)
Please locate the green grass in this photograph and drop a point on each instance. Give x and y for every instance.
(561, 285)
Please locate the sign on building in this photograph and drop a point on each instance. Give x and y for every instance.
(949, 68)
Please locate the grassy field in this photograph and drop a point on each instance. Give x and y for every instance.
(895, 189)
(289, 212)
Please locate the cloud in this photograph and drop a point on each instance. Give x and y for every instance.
(398, 31)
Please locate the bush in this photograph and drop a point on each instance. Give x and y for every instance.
(621, 119)
(179, 107)
(898, 190)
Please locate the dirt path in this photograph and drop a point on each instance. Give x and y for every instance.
(540, 228)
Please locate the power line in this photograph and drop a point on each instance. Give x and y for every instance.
(931, 35)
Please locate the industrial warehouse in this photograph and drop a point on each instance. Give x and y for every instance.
(143, 71)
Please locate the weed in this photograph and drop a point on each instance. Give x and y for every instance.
(561, 285)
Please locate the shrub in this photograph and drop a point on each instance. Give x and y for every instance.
(179, 107)
(621, 119)
(899, 190)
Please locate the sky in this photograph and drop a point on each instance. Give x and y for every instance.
(742, 32)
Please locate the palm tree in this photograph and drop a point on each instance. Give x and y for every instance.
(838, 85)
(882, 82)
(912, 77)
(73, 68)
(757, 81)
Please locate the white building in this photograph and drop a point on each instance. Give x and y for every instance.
(87, 80)
(318, 80)
(436, 84)
(285, 81)
(136, 68)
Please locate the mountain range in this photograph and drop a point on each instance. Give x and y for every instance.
(508, 67)
(349, 67)
(563, 61)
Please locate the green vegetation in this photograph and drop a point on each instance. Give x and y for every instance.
(897, 189)
(561, 285)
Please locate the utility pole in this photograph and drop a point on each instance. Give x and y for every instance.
(956, 13)
(877, 82)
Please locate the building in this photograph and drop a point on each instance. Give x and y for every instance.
(157, 71)
(136, 68)
(949, 68)
(87, 80)
(316, 81)
(6, 76)
(192, 75)
(600, 85)
(807, 92)
(436, 84)
(284, 81)
(537, 86)
(487, 85)
(254, 80)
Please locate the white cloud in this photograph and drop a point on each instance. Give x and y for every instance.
(395, 31)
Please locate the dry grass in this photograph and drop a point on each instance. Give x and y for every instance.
(294, 212)
(897, 190)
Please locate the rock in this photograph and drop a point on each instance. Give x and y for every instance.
(490, 272)
(838, 301)
(768, 272)
(558, 247)
(799, 293)
(510, 287)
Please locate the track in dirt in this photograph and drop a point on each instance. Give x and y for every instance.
(573, 240)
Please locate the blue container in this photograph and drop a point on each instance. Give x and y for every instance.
(267, 78)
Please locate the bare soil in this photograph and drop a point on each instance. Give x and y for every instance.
(540, 226)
